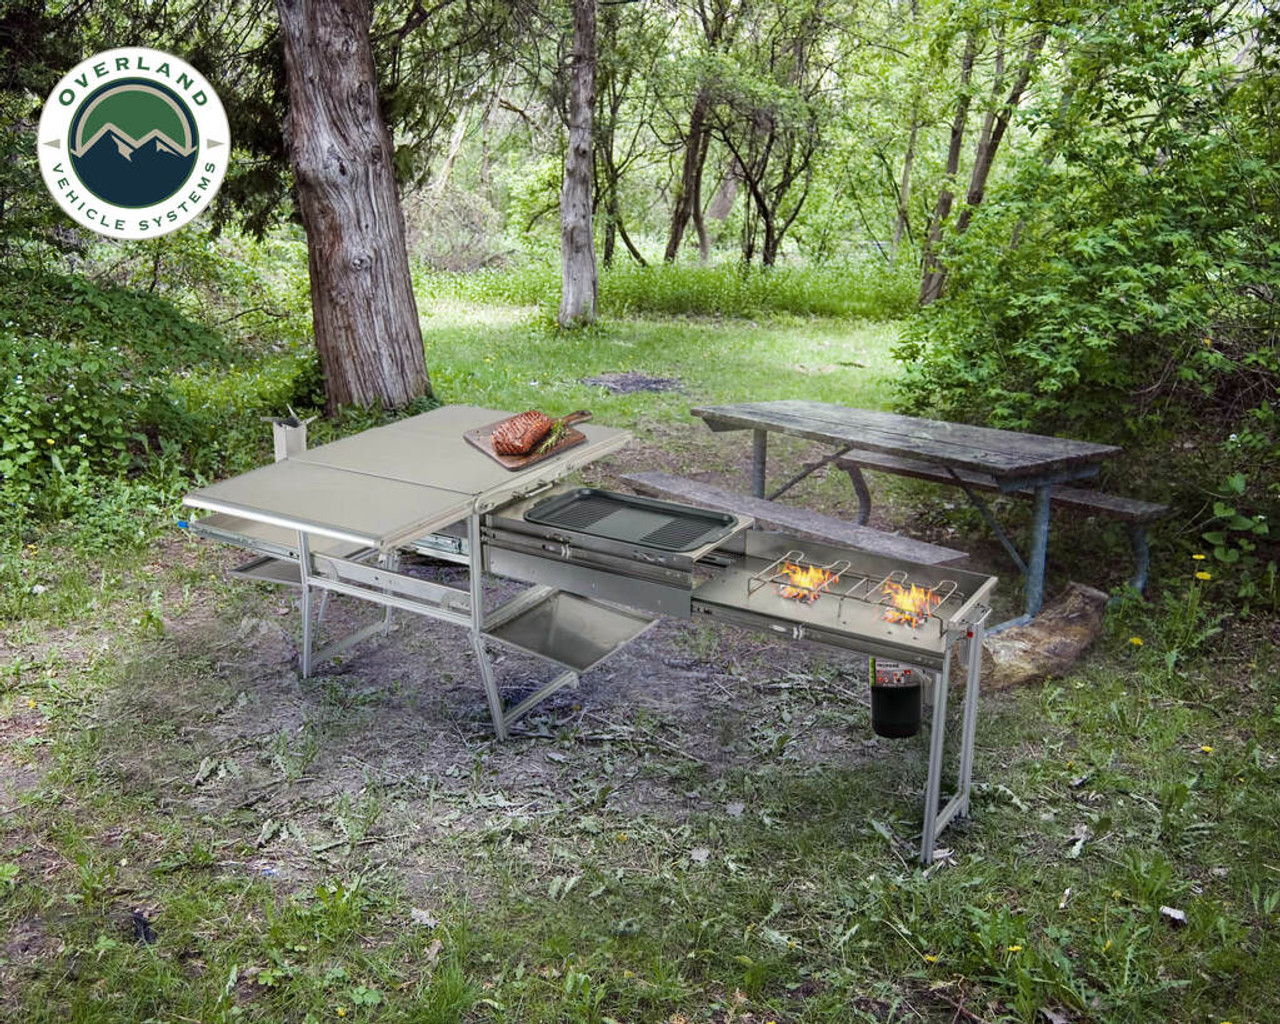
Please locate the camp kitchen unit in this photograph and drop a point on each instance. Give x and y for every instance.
(601, 566)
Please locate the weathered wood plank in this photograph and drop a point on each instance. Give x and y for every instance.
(1002, 453)
(799, 521)
(1131, 510)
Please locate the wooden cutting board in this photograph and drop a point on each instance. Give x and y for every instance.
(482, 438)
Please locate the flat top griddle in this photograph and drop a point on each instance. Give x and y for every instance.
(649, 522)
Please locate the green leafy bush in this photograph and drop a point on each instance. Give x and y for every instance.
(97, 383)
(1124, 285)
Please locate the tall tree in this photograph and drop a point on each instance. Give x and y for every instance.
(770, 113)
(931, 282)
(994, 125)
(366, 319)
(579, 283)
(718, 21)
(628, 43)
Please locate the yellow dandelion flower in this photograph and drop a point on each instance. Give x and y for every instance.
(31, 702)
(620, 837)
(341, 1011)
(1202, 575)
(1107, 946)
(48, 440)
(1198, 558)
(1206, 748)
(1015, 949)
(1208, 343)
(930, 958)
(1137, 641)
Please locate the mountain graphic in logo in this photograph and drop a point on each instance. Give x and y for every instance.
(133, 143)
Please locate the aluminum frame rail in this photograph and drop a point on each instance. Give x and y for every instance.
(936, 819)
(373, 577)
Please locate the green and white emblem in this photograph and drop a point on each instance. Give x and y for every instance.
(133, 143)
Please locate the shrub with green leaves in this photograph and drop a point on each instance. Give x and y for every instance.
(1123, 284)
(97, 382)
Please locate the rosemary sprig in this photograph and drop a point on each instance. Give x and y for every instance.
(553, 438)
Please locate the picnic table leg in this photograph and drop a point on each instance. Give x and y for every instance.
(1039, 547)
(864, 496)
(759, 446)
(1141, 556)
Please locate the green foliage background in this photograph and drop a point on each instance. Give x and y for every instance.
(1118, 282)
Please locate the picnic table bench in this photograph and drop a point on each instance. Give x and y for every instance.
(1134, 512)
(773, 515)
(970, 457)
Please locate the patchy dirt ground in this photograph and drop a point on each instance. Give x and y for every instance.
(390, 751)
(385, 759)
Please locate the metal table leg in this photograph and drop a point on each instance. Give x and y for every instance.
(759, 448)
(864, 495)
(937, 739)
(392, 561)
(1141, 556)
(304, 577)
(1034, 573)
(973, 680)
(1039, 547)
(476, 582)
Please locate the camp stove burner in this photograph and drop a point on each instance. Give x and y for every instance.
(796, 577)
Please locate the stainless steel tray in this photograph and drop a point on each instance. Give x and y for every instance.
(571, 631)
(509, 527)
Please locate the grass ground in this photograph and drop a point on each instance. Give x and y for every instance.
(705, 831)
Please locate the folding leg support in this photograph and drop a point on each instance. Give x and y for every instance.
(937, 819)
(502, 716)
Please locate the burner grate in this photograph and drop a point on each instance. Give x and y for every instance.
(842, 583)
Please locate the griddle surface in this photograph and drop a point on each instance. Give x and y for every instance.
(662, 525)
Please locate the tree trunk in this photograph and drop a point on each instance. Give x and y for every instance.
(626, 240)
(931, 283)
(451, 156)
(610, 240)
(772, 241)
(577, 247)
(990, 143)
(721, 204)
(699, 225)
(366, 320)
(902, 223)
(688, 196)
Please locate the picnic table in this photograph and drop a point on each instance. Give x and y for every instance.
(971, 457)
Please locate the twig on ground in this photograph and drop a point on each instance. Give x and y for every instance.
(961, 1010)
(652, 738)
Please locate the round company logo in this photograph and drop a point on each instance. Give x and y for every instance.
(133, 143)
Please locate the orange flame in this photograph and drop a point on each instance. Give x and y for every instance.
(911, 604)
(806, 581)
